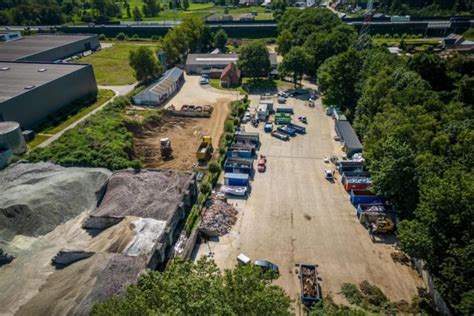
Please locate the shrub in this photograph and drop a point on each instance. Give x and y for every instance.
(229, 126)
(121, 36)
(135, 37)
(102, 37)
(213, 167)
(351, 293)
(206, 188)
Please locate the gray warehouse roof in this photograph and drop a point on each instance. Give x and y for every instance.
(19, 77)
(219, 59)
(348, 135)
(211, 59)
(36, 44)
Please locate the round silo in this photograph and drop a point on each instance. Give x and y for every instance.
(10, 135)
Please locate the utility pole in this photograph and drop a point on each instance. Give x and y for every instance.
(363, 40)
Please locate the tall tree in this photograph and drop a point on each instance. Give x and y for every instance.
(254, 60)
(220, 40)
(295, 64)
(137, 15)
(200, 288)
(145, 64)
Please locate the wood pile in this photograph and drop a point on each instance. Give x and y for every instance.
(218, 216)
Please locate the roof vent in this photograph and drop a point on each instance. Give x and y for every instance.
(5, 68)
(42, 70)
(30, 87)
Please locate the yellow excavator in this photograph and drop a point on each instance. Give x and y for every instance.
(382, 224)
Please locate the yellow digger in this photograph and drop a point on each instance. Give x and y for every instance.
(382, 224)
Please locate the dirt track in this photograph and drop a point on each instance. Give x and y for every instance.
(185, 135)
(293, 215)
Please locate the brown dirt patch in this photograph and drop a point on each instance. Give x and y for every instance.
(185, 135)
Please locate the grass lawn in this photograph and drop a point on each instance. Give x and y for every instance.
(396, 41)
(111, 64)
(46, 131)
(102, 97)
(37, 140)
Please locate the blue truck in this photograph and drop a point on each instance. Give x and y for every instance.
(299, 129)
(287, 130)
(236, 179)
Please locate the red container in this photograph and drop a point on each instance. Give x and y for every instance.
(356, 186)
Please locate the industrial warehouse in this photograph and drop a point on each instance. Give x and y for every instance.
(47, 47)
(30, 92)
(161, 90)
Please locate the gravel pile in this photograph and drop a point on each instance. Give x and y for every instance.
(38, 197)
(148, 194)
(218, 216)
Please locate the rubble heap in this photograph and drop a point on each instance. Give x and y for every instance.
(218, 216)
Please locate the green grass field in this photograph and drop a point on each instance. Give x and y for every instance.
(396, 41)
(111, 64)
(201, 10)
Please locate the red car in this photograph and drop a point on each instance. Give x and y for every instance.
(261, 167)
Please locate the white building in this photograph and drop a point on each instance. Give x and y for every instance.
(161, 90)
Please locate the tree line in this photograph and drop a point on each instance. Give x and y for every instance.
(415, 117)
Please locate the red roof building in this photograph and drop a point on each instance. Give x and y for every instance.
(230, 76)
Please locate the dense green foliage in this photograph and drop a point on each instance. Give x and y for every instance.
(254, 60)
(416, 119)
(145, 64)
(295, 64)
(425, 7)
(200, 288)
(220, 40)
(191, 36)
(318, 32)
(100, 141)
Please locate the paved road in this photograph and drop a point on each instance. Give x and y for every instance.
(294, 215)
(118, 90)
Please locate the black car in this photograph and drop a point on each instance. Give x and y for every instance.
(267, 266)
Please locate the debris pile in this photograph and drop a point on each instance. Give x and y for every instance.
(218, 216)
(309, 282)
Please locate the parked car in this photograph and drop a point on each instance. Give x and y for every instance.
(281, 100)
(283, 94)
(247, 117)
(328, 174)
(267, 265)
(204, 79)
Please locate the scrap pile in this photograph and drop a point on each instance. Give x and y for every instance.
(218, 216)
(309, 281)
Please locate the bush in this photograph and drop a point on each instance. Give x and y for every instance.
(135, 37)
(229, 126)
(102, 37)
(213, 167)
(121, 36)
(155, 38)
(352, 293)
(206, 188)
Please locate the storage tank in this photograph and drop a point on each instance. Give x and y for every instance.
(10, 135)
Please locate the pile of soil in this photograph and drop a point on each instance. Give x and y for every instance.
(38, 197)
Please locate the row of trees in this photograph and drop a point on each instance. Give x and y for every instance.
(425, 7)
(415, 116)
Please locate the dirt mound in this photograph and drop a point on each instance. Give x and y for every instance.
(38, 197)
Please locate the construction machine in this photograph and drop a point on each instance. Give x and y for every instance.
(205, 149)
(381, 225)
(165, 148)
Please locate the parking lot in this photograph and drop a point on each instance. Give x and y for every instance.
(293, 215)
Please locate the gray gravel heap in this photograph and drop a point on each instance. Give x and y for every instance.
(35, 198)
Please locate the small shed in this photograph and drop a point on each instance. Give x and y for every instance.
(157, 93)
(230, 76)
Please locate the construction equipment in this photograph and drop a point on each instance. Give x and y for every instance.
(377, 218)
(310, 290)
(205, 149)
(165, 148)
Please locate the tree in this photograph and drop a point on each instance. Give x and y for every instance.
(185, 5)
(254, 60)
(220, 40)
(295, 64)
(336, 78)
(432, 68)
(284, 42)
(151, 8)
(137, 15)
(200, 288)
(278, 8)
(145, 64)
